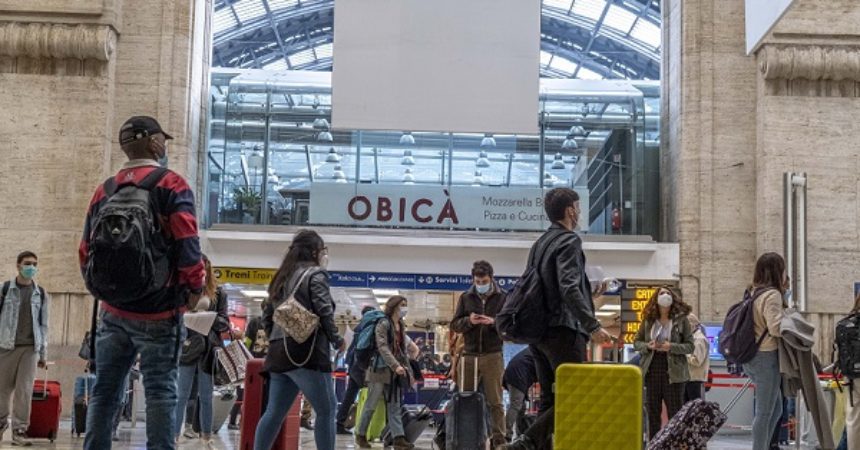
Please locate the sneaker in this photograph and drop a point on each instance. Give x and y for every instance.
(190, 434)
(400, 443)
(307, 425)
(19, 438)
(233, 427)
(343, 430)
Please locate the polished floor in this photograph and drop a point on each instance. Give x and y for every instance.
(134, 439)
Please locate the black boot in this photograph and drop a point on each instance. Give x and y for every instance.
(343, 430)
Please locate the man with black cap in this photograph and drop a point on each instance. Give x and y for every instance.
(140, 257)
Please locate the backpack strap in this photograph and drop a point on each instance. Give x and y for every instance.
(539, 253)
(151, 180)
(110, 187)
(6, 285)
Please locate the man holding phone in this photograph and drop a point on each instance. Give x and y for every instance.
(475, 319)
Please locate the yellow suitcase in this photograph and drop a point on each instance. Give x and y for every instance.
(598, 407)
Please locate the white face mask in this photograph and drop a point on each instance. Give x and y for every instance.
(664, 300)
(403, 311)
(324, 261)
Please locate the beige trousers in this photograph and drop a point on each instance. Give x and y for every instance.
(491, 369)
(17, 372)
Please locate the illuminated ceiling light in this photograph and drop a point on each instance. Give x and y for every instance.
(407, 139)
(558, 163)
(325, 136)
(255, 294)
(577, 131)
(338, 175)
(610, 307)
(569, 144)
(255, 160)
(407, 160)
(321, 124)
(489, 141)
(483, 160)
(408, 178)
(333, 156)
(479, 179)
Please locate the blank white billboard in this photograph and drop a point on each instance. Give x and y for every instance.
(760, 18)
(436, 65)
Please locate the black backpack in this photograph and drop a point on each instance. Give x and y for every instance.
(524, 316)
(847, 347)
(737, 341)
(128, 256)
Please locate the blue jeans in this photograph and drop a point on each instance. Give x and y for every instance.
(205, 390)
(843, 443)
(317, 387)
(118, 342)
(763, 369)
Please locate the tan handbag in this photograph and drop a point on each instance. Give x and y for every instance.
(297, 321)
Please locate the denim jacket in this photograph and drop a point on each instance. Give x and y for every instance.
(9, 319)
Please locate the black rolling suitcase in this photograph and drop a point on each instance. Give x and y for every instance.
(466, 420)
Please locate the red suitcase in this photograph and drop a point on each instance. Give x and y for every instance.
(45, 413)
(253, 406)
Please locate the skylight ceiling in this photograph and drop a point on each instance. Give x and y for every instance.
(588, 39)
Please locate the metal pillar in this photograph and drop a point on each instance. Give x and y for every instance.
(794, 212)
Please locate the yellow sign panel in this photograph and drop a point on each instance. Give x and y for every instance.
(641, 297)
(240, 275)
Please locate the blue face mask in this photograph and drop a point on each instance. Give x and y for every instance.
(787, 296)
(29, 272)
(483, 288)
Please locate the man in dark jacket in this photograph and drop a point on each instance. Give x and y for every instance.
(520, 375)
(475, 319)
(568, 291)
(355, 380)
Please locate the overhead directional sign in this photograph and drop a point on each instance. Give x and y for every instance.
(369, 280)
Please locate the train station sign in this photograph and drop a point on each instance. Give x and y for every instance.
(368, 280)
(633, 303)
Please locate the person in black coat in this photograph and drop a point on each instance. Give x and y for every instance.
(519, 377)
(306, 366)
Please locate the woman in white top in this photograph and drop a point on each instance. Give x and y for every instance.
(768, 288)
(699, 361)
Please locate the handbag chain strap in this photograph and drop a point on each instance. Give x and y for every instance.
(314, 341)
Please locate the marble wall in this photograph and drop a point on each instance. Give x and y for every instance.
(735, 123)
(71, 72)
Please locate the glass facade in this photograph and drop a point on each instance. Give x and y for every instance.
(274, 159)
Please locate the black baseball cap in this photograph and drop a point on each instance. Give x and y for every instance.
(139, 127)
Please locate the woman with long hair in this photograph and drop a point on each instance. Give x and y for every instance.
(664, 340)
(768, 290)
(198, 355)
(389, 374)
(305, 367)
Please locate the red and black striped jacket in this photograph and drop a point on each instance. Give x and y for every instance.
(173, 202)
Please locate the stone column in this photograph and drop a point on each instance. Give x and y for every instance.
(71, 71)
(709, 129)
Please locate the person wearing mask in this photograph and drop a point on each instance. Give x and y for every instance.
(23, 345)
(664, 340)
(699, 361)
(199, 357)
(304, 367)
(768, 290)
(475, 319)
(566, 286)
(390, 373)
(152, 324)
(355, 379)
(519, 377)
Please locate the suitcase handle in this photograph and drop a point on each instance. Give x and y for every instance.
(463, 371)
(44, 394)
